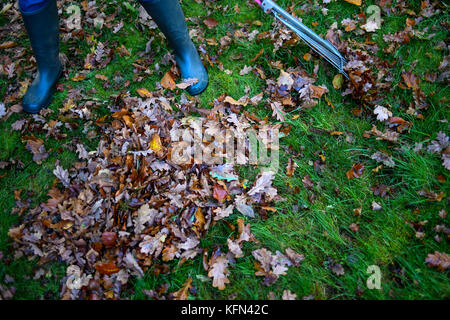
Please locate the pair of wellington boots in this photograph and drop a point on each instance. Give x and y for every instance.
(43, 29)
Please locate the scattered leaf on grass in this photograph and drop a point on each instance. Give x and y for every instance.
(210, 22)
(356, 171)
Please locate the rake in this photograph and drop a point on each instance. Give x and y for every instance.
(323, 47)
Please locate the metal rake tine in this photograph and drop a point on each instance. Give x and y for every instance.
(337, 61)
(316, 45)
(323, 47)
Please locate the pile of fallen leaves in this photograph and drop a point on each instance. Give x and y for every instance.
(126, 206)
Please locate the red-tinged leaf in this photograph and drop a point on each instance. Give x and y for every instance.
(317, 92)
(109, 238)
(210, 22)
(107, 268)
(257, 55)
(290, 169)
(411, 80)
(356, 171)
(219, 193)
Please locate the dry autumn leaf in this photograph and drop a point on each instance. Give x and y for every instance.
(8, 44)
(382, 113)
(107, 268)
(219, 272)
(285, 79)
(307, 182)
(168, 81)
(410, 80)
(210, 22)
(291, 166)
(355, 2)
(338, 81)
(219, 193)
(183, 293)
(356, 171)
(186, 83)
(232, 101)
(155, 144)
(318, 91)
(144, 93)
(109, 238)
(438, 260)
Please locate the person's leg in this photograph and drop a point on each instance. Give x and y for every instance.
(32, 5)
(42, 26)
(170, 19)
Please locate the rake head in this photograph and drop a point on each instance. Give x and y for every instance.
(323, 47)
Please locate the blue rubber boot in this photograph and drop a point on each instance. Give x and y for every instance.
(42, 27)
(170, 19)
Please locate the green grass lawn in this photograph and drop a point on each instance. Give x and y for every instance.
(320, 229)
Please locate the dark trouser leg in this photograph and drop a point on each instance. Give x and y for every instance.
(42, 26)
(170, 19)
(32, 5)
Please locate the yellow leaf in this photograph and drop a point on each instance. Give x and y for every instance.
(155, 144)
(355, 2)
(270, 209)
(212, 42)
(200, 219)
(144, 93)
(67, 106)
(128, 121)
(79, 77)
(230, 100)
(338, 80)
